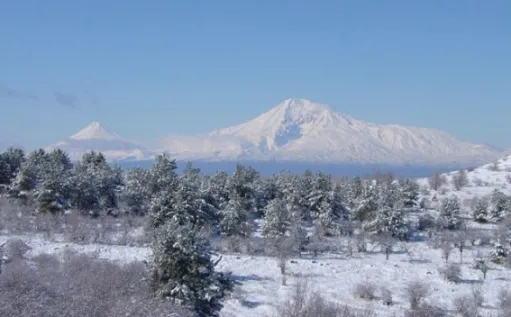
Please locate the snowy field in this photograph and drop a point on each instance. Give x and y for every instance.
(335, 276)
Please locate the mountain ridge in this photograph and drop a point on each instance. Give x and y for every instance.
(295, 130)
(299, 129)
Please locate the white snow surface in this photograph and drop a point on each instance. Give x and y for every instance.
(96, 137)
(301, 130)
(333, 275)
(481, 182)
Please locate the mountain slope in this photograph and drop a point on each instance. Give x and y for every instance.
(96, 137)
(300, 130)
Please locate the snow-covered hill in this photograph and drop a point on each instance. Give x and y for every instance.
(96, 137)
(300, 130)
(480, 182)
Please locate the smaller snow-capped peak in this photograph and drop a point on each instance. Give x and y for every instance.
(95, 131)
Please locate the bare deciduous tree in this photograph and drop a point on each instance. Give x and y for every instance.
(444, 242)
(460, 179)
(436, 181)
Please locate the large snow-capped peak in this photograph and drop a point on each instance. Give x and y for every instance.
(302, 130)
(95, 137)
(288, 121)
(94, 130)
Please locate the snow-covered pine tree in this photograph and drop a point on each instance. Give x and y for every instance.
(367, 204)
(219, 189)
(408, 193)
(450, 213)
(234, 219)
(30, 171)
(277, 221)
(321, 187)
(355, 190)
(184, 271)
(332, 213)
(96, 185)
(480, 210)
(499, 204)
(242, 185)
(10, 163)
(54, 191)
(137, 191)
(388, 221)
(163, 174)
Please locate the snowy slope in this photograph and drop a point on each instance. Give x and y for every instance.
(96, 137)
(481, 181)
(300, 130)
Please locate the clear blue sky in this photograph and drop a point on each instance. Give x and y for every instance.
(147, 69)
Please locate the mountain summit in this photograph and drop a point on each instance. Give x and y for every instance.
(95, 131)
(301, 130)
(95, 137)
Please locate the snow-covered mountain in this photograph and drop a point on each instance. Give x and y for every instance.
(301, 130)
(96, 137)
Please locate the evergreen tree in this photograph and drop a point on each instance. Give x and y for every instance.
(234, 219)
(31, 171)
(219, 189)
(331, 213)
(450, 213)
(242, 186)
(10, 164)
(367, 204)
(389, 221)
(96, 185)
(277, 220)
(163, 174)
(408, 193)
(499, 204)
(480, 210)
(184, 269)
(321, 186)
(137, 191)
(54, 190)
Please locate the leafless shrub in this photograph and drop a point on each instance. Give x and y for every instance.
(416, 291)
(451, 273)
(305, 303)
(15, 249)
(465, 307)
(365, 290)
(94, 288)
(426, 310)
(477, 295)
(386, 296)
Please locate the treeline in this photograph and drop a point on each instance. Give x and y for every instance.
(54, 184)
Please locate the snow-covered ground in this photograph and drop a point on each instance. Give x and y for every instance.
(481, 181)
(333, 275)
